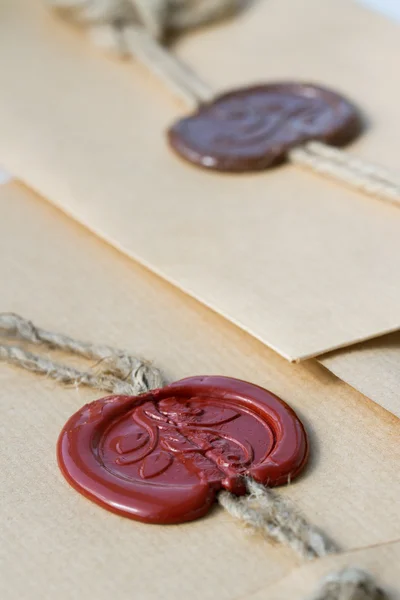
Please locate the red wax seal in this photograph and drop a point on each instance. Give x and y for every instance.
(162, 457)
(253, 128)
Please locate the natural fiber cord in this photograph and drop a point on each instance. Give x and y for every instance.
(131, 28)
(115, 371)
(358, 174)
(158, 17)
(120, 373)
(349, 584)
(268, 512)
(273, 516)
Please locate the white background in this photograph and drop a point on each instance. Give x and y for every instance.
(390, 8)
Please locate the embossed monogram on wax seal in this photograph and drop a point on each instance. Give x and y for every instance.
(155, 435)
(253, 128)
(161, 457)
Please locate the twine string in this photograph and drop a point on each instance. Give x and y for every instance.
(356, 173)
(181, 80)
(269, 512)
(136, 28)
(273, 516)
(120, 373)
(116, 371)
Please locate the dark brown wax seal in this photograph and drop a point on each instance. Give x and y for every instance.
(163, 456)
(253, 128)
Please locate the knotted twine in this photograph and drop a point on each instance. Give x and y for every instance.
(133, 28)
(157, 17)
(117, 372)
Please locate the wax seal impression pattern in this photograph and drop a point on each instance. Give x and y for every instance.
(161, 457)
(253, 128)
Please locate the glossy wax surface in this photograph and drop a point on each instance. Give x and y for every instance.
(162, 457)
(253, 128)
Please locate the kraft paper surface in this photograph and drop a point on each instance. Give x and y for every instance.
(300, 262)
(56, 544)
(373, 368)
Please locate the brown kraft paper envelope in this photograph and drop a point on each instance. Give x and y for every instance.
(302, 263)
(55, 543)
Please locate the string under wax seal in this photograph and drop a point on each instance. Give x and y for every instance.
(153, 424)
(138, 28)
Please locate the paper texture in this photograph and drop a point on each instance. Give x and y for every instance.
(373, 368)
(303, 264)
(55, 543)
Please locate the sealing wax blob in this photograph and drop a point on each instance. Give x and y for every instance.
(162, 457)
(253, 128)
